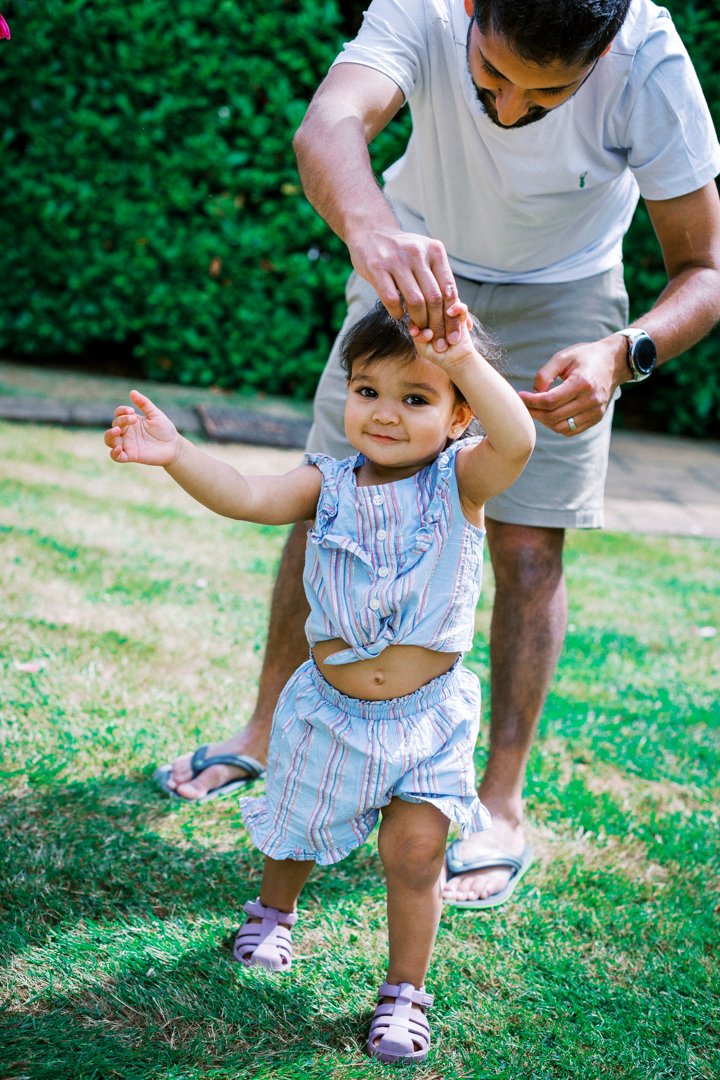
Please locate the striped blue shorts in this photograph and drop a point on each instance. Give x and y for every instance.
(335, 761)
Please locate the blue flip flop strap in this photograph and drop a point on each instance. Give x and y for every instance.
(492, 858)
(199, 763)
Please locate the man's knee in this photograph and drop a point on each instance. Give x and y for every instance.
(525, 557)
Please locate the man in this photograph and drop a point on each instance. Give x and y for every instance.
(536, 124)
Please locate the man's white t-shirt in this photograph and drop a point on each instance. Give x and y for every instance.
(549, 202)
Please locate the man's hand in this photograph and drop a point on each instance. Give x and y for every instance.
(590, 373)
(410, 268)
(150, 439)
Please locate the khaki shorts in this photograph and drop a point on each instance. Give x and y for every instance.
(562, 485)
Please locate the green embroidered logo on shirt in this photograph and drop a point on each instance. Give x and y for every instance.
(581, 180)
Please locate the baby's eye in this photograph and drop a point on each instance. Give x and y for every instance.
(366, 392)
(416, 399)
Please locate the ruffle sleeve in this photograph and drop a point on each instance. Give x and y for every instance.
(335, 474)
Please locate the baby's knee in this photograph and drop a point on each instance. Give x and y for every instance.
(411, 854)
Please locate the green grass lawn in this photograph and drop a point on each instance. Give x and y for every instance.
(132, 625)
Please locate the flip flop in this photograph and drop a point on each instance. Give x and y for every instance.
(199, 762)
(518, 864)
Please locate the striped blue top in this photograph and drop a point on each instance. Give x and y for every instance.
(392, 564)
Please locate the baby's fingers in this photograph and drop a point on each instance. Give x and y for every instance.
(419, 335)
(112, 436)
(458, 310)
(113, 439)
(148, 407)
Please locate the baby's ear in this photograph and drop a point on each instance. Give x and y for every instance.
(463, 416)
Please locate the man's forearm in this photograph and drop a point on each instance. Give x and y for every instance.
(685, 312)
(410, 273)
(337, 177)
(353, 104)
(687, 309)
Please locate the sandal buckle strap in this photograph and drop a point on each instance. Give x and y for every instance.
(417, 997)
(260, 911)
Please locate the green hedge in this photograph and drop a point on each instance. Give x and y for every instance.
(684, 396)
(151, 206)
(150, 198)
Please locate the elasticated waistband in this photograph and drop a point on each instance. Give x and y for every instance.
(392, 708)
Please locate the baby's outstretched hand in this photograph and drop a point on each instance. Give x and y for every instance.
(148, 439)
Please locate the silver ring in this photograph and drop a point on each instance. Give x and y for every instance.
(571, 424)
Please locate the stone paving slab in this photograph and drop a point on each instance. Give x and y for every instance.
(663, 484)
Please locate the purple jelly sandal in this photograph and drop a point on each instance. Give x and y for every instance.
(267, 943)
(397, 1031)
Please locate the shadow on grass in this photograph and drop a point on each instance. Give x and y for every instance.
(104, 925)
(190, 1018)
(92, 852)
(89, 851)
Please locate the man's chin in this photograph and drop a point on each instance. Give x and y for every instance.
(531, 117)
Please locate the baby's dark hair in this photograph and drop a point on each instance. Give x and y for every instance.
(377, 336)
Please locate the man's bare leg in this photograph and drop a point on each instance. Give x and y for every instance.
(286, 649)
(527, 632)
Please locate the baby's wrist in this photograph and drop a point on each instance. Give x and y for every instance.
(461, 358)
(177, 451)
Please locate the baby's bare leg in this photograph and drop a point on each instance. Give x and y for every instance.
(264, 938)
(282, 882)
(412, 848)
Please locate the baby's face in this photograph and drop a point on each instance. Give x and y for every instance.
(401, 413)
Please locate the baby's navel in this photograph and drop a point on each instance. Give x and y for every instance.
(377, 678)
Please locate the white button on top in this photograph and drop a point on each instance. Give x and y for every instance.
(374, 605)
(381, 534)
(378, 500)
(383, 571)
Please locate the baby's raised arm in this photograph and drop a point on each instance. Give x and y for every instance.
(151, 438)
(489, 467)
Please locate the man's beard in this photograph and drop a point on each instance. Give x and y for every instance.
(487, 101)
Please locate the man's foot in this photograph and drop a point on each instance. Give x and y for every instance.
(494, 883)
(182, 781)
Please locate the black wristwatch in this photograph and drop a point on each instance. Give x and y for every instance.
(641, 353)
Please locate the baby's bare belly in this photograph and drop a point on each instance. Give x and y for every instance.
(397, 671)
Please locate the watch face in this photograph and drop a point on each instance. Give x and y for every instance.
(644, 355)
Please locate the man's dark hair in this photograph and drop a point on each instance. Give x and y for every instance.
(573, 32)
(377, 336)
